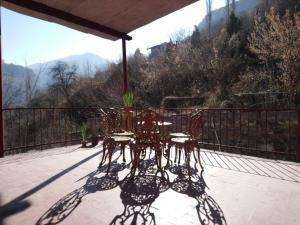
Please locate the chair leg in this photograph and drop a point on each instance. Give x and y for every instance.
(123, 152)
(158, 155)
(176, 149)
(131, 155)
(168, 155)
(103, 155)
(188, 164)
(179, 156)
(135, 163)
(110, 153)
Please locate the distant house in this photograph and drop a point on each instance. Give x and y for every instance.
(157, 49)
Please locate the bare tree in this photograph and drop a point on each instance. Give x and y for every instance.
(233, 6)
(31, 82)
(12, 91)
(227, 2)
(179, 36)
(209, 16)
(64, 77)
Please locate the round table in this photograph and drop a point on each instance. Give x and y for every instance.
(124, 134)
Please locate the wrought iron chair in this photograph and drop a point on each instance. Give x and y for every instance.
(111, 125)
(190, 142)
(147, 136)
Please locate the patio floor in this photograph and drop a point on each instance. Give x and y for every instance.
(63, 185)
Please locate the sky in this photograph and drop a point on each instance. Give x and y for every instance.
(26, 40)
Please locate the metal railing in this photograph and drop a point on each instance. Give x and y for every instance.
(270, 133)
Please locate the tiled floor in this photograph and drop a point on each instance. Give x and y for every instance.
(63, 186)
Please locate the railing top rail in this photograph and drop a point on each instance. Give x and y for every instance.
(140, 108)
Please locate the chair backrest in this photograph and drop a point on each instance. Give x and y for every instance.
(196, 124)
(147, 126)
(110, 121)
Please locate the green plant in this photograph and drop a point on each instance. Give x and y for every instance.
(83, 131)
(128, 99)
(94, 132)
(163, 136)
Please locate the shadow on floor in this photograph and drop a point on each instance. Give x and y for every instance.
(209, 212)
(95, 182)
(252, 165)
(138, 193)
(19, 204)
(66, 205)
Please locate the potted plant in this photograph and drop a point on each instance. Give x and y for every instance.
(127, 110)
(83, 135)
(128, 101)
(94, 137)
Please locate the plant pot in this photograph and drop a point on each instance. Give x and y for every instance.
(83, 143)
(127, 115)
(127, 109)
(95, 141)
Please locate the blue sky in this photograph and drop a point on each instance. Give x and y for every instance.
(27, 40)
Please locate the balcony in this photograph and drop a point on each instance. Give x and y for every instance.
(243, 181)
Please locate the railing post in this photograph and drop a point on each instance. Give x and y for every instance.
(266, 129)
(125, 84)
(298, 134)
(1, 103)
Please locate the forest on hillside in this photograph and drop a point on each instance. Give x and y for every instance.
(249, 61)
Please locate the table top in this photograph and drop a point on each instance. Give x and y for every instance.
(179, 139)
(121, 139)
(126, 134)
(164, 123)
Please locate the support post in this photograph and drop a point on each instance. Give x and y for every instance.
(1, 100)
(298, 134)
(125, 89)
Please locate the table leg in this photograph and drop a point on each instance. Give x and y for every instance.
(123, 151)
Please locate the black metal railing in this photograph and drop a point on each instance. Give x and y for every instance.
(270, 133)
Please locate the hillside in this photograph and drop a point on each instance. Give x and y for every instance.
(16, 70)
(219, 14)
(14, 83)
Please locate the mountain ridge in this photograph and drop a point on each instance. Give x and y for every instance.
(87, 65)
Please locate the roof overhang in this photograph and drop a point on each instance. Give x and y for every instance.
(110, 19)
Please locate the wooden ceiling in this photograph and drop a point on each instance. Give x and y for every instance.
(110, 19)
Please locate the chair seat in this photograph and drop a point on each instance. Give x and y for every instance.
(179, 140)
(181, 135)
(121, 139)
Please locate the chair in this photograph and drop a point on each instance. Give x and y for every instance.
(147, 135)
(190, 142)
(111, 125)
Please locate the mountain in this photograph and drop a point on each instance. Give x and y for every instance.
(16, 70)
(14, 83)
(87, 64)
(218, 15)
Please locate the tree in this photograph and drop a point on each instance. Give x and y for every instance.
(63, 80)
(31, 83)
(276, 42)
(233, 6)
(12, 90)
(209, 16)
(227, 5)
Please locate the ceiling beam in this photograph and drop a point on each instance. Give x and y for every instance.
(68, 17)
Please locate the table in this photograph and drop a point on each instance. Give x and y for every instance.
(124, 134)
(179, 135)
(160, 123)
